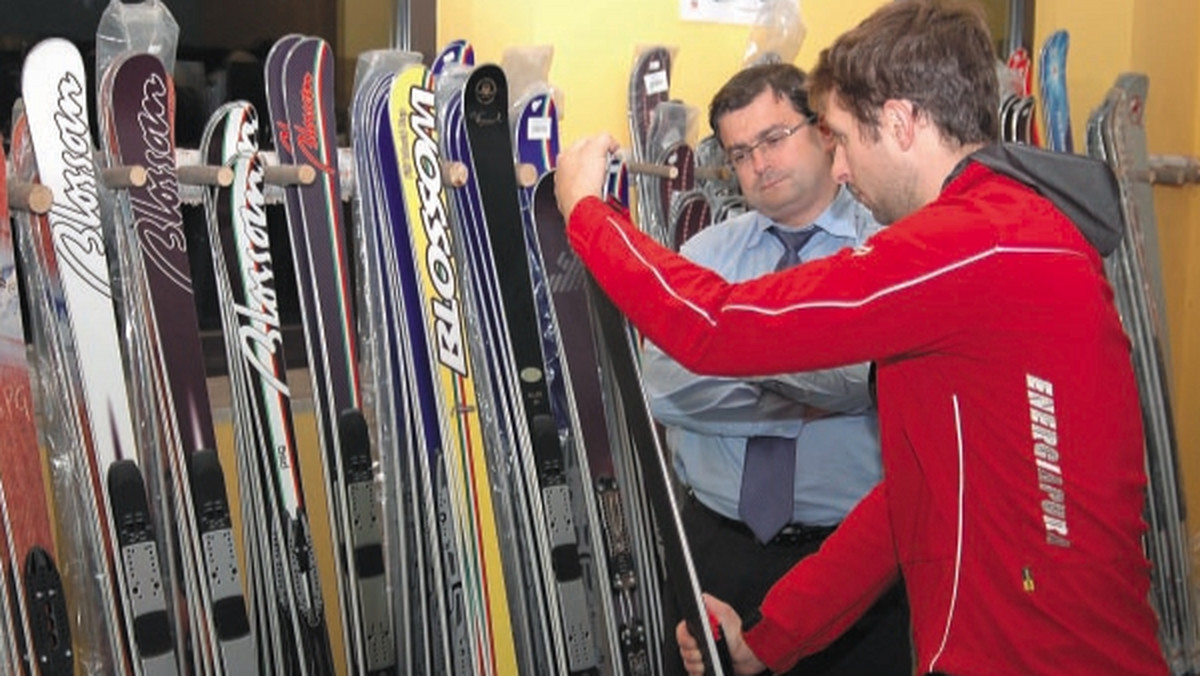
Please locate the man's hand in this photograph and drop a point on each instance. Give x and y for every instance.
(744, 661)
(580, 171)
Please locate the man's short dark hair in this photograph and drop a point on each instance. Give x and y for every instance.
(786, 80)
(937, 54)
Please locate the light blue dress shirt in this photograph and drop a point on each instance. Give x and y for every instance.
(708, 419)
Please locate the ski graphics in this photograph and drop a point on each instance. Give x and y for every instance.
(1056, 111)
(245, 275)
(138, 121)
(456, 54)
(55, 95)
(479, 582)
(628, 564)
(42, 631)
(300, 97)
(691, 212)
(485, 114)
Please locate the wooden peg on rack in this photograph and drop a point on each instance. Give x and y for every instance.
(196, 174)
(651, 169)
(526, 175)
(648, 168)
(454, 174)
(32, 197)
(289, 174)
(133, 176)
(1173, 170)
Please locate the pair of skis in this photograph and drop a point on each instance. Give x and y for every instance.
(137, 123)
(300, 93)
(492, 225)
(283, 576)
(427, 568)
(619, 540)
(622, 382)
(1116, 134)
(79, 335)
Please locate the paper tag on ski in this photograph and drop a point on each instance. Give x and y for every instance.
(656, 82)
(539, 128)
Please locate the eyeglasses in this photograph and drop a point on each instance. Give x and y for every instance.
(770, 141)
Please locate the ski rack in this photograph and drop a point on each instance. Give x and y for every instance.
(194, 175)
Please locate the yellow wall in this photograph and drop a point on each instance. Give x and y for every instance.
(595, 43)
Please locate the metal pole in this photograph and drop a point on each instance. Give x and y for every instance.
(402, 29)
(1016, 26)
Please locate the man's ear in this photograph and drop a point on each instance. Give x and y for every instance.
(824, 136)
(898, 119)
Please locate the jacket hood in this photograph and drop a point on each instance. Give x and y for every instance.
(1081, 187)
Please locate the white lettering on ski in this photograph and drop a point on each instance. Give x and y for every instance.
(157, 220)
(75, 216)
(260, 334)
(447, 319)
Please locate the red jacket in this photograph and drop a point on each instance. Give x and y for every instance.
(1012, 441)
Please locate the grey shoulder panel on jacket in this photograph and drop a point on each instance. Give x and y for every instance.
(1083, 188)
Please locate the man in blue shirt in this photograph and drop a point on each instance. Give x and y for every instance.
(825, 419)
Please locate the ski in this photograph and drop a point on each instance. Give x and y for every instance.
(42, 632)
(299, 75)
(138, 119)
(1056, 112)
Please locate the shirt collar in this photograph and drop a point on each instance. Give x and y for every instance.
(837, 219)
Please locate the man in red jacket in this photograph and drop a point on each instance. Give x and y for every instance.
(1012, 444)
